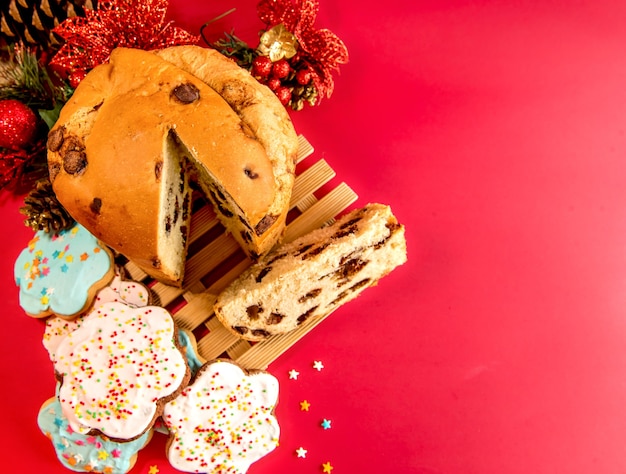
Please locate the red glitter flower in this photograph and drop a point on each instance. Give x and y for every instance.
(321, 49)
(89, 40)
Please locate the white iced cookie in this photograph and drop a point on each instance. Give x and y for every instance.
(125, 291)
(118, 370)
(224, 421)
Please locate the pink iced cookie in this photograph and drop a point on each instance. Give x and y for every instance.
(224, 421)
(128, 292)
(118, 369)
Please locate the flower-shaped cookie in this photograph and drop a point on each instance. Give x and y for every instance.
(128, 292)
(61, 273)
(224, 421)
(118, 369)
(84, 453)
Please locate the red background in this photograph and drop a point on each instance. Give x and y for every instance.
(495, 130)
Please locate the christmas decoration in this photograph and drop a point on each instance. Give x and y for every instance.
(18, 124)
(21, 167)
(89, 40)
(293, 58)
(43, 211)
(32, 21)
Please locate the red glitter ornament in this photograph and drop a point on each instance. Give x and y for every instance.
(18, 124)
(89, 40)
(319, 49)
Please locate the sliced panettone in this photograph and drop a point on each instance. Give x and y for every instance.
(314, 274)
(126, 145)
(259, 109)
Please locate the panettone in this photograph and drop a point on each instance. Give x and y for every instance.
(127, 144)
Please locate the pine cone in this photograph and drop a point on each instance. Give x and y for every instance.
(302, 94)
(43, 211)
(32, 21)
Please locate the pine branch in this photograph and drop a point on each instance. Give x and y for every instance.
(24, 78)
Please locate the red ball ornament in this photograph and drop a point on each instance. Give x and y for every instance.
(261, 66)
(18, 124)
(303, 76)
(281, 69)
(284, 94)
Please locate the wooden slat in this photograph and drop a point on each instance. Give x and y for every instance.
(320, 212)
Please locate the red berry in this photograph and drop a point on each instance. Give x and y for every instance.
(261, 66)
(284, 94)
(273, 83)
(281, 69)
(303, 76)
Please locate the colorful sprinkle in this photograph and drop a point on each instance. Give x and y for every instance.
(293, 374)
(304, 405)
(325, 424)
(327, 467)
(317, 365)
(301, 452)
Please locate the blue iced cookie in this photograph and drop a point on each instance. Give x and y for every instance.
(83, 453)
(61, 273)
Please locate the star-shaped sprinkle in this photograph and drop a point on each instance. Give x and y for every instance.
(116, 453)
(325, 424)
(304, 405)
(317, 365)
(153, 470)
(327, 467)
(301, 452)
(103, 455)
(293, 374)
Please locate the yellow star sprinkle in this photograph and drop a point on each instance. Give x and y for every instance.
(304, 405)
(103, 455)
(327, 467)
(153, 470)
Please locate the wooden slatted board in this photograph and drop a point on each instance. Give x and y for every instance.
(215, 259)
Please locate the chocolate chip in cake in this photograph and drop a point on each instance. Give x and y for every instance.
(265, 224)
(238, 94)
(240, 329)
(260, 333)
(275, 318)
(186, 93)
(246, 236)
(158, 169)
(306, 315)
(74, 162)
(250, 174)
(345, 293)
(315, 251)
(262, 273)
(96, 205)
(55, 139)
(253, 311)
(310, 295)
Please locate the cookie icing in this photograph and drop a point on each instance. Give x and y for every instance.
(223, 422)
(56, 272)
(83, 453)
(117, 367)
(128, 292)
